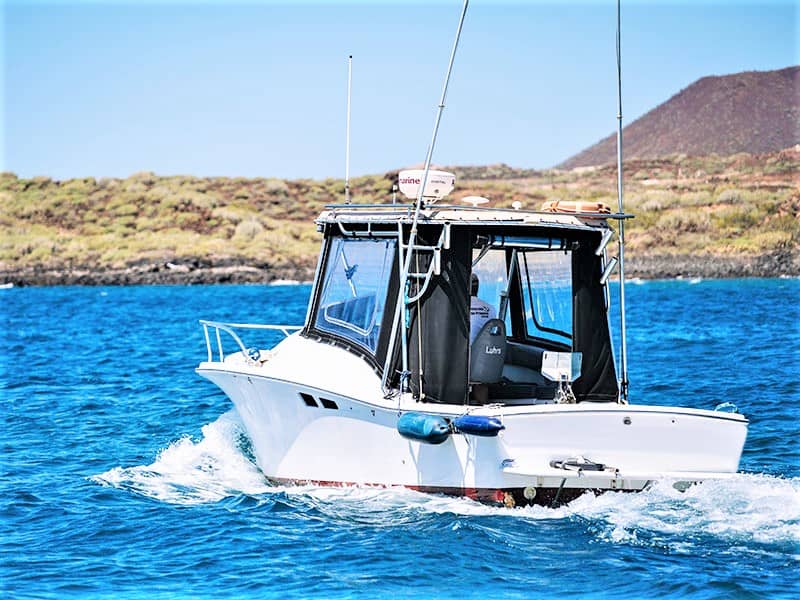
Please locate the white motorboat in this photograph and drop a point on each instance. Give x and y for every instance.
(365, 393)
(391, 381)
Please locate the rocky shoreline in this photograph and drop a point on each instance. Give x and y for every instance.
(156, 274)
(781, 264)
(708, 266)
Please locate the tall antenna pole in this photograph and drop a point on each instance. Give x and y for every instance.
(347, 150)
(400, 312)
(439, 112)
(624, 386)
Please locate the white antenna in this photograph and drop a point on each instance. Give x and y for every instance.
(347, 150)
(624, 383)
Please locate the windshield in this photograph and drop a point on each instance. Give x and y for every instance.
(355, 285)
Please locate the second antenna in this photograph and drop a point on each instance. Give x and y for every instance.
(347, 143)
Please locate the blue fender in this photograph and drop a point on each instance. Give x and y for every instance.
(479, 425)
(431, 429)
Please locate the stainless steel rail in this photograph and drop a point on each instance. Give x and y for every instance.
(623, 399)
(229, 329)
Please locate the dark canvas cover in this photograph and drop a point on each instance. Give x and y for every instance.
(591, 336)
(440, 325)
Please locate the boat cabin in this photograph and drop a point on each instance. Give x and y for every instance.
(498, 306)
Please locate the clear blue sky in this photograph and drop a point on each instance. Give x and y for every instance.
(258, 88)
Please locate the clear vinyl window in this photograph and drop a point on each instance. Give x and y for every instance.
(546, 279)
(491, 270)
(355, 284)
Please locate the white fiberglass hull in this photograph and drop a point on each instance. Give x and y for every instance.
(315, 413)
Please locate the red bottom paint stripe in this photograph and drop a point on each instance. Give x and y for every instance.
(509, 497)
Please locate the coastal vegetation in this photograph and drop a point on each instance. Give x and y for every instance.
(713, 207)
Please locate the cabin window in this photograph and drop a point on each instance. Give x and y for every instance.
(491, 270)
(355, 284)
(546, 279)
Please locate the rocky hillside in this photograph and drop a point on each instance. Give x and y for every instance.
(755, 112)
(711, 217)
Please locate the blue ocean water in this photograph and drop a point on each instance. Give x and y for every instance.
(123, 474)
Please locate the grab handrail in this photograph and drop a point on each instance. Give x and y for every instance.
(229, 329)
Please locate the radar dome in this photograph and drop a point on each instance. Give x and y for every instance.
(438, 184)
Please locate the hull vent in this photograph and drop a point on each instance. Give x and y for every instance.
(312, 402)
(308, 399)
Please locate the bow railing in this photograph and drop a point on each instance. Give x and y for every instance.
(230, 328)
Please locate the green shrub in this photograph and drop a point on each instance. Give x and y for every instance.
(276, 187)
(730, 197)
(681, 221)
(246, 231)
(737, 216)
(126, 210)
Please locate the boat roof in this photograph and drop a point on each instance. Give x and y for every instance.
(466, 215)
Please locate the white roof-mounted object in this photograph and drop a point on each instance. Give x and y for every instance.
(475, 201)
(438, 185)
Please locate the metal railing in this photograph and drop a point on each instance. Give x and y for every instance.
(229, 329)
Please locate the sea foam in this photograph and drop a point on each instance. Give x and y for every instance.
(747, 509)
(190, 472)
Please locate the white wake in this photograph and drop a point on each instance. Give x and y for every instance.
(192, 472)
(746, 509)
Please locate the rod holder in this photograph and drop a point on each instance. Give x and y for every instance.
(610, 266)
(607, 235)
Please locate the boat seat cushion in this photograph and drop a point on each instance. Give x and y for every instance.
(510, 390)
(518, 374)
(488, 353)
(525, 355)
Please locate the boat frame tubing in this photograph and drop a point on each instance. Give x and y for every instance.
(623, 333)
(402, 299)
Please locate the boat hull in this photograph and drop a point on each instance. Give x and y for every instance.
(313, 432)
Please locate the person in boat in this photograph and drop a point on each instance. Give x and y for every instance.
(479, 311)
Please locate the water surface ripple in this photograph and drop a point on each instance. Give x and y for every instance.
(124, 474)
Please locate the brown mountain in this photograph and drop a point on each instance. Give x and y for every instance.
(754, 112)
